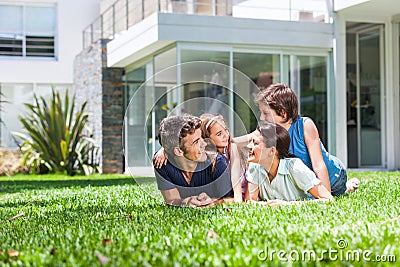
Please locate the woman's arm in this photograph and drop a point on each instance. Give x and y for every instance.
(251, 192)
(318, 191)
(311, 138)
(236, 173)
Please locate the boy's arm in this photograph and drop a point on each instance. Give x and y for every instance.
(319, 192)
(311, 138)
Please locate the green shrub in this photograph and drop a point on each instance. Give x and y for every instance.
(58, 140)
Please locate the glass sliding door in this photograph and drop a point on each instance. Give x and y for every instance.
(263, 70)
(369, 98)
(135, 117)
(209, 95)
(309, 79)
(148, 99)
(365, 70)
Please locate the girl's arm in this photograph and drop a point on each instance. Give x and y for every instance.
(311, 138)
(243, 140)
(160, 158)
(236, 173)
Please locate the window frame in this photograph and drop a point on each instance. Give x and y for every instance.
(44, 40)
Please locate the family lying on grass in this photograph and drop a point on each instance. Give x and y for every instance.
(200, 165)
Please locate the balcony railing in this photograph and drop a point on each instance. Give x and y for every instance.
(123, 14)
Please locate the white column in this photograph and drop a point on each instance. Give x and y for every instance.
(340, 103)
(392, 95)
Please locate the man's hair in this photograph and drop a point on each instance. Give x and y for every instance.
(277, 136)
(174, 128)
(280, 97)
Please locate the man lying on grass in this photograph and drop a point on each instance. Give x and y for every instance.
(190, 177)
(274, 175)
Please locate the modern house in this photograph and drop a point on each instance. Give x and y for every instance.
(341, 57)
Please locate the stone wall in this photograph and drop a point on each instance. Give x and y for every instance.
(112, 120)
(102, 87)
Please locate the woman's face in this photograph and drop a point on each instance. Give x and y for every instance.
(219, 134)
(257, 149)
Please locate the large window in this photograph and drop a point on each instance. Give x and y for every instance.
(308, 78)
(216, 88)
(27, 31)
(146, 104)
(211, 95)
(263, 70)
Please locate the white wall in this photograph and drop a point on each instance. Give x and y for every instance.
(72, 17)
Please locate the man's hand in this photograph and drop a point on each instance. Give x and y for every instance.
(202, 200)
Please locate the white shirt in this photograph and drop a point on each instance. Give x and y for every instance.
(292, 181)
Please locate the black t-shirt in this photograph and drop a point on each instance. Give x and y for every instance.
(214, 181)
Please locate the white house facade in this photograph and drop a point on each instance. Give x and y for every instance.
(39, 40)
(341, 57)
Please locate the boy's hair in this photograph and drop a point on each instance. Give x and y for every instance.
(174, 128)
(277, 136)
(280, 97)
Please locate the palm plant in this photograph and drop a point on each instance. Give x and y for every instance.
(58, 140)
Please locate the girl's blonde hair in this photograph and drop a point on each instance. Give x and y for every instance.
(207, 121)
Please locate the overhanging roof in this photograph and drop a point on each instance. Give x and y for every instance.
(162, 29)
(386, 8)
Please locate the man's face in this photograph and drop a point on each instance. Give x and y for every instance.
(194, 147)
(269, 114)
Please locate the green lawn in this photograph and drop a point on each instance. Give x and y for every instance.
(83, 221)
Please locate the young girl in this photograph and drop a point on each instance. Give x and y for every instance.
(276, 176)
(216, 134)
